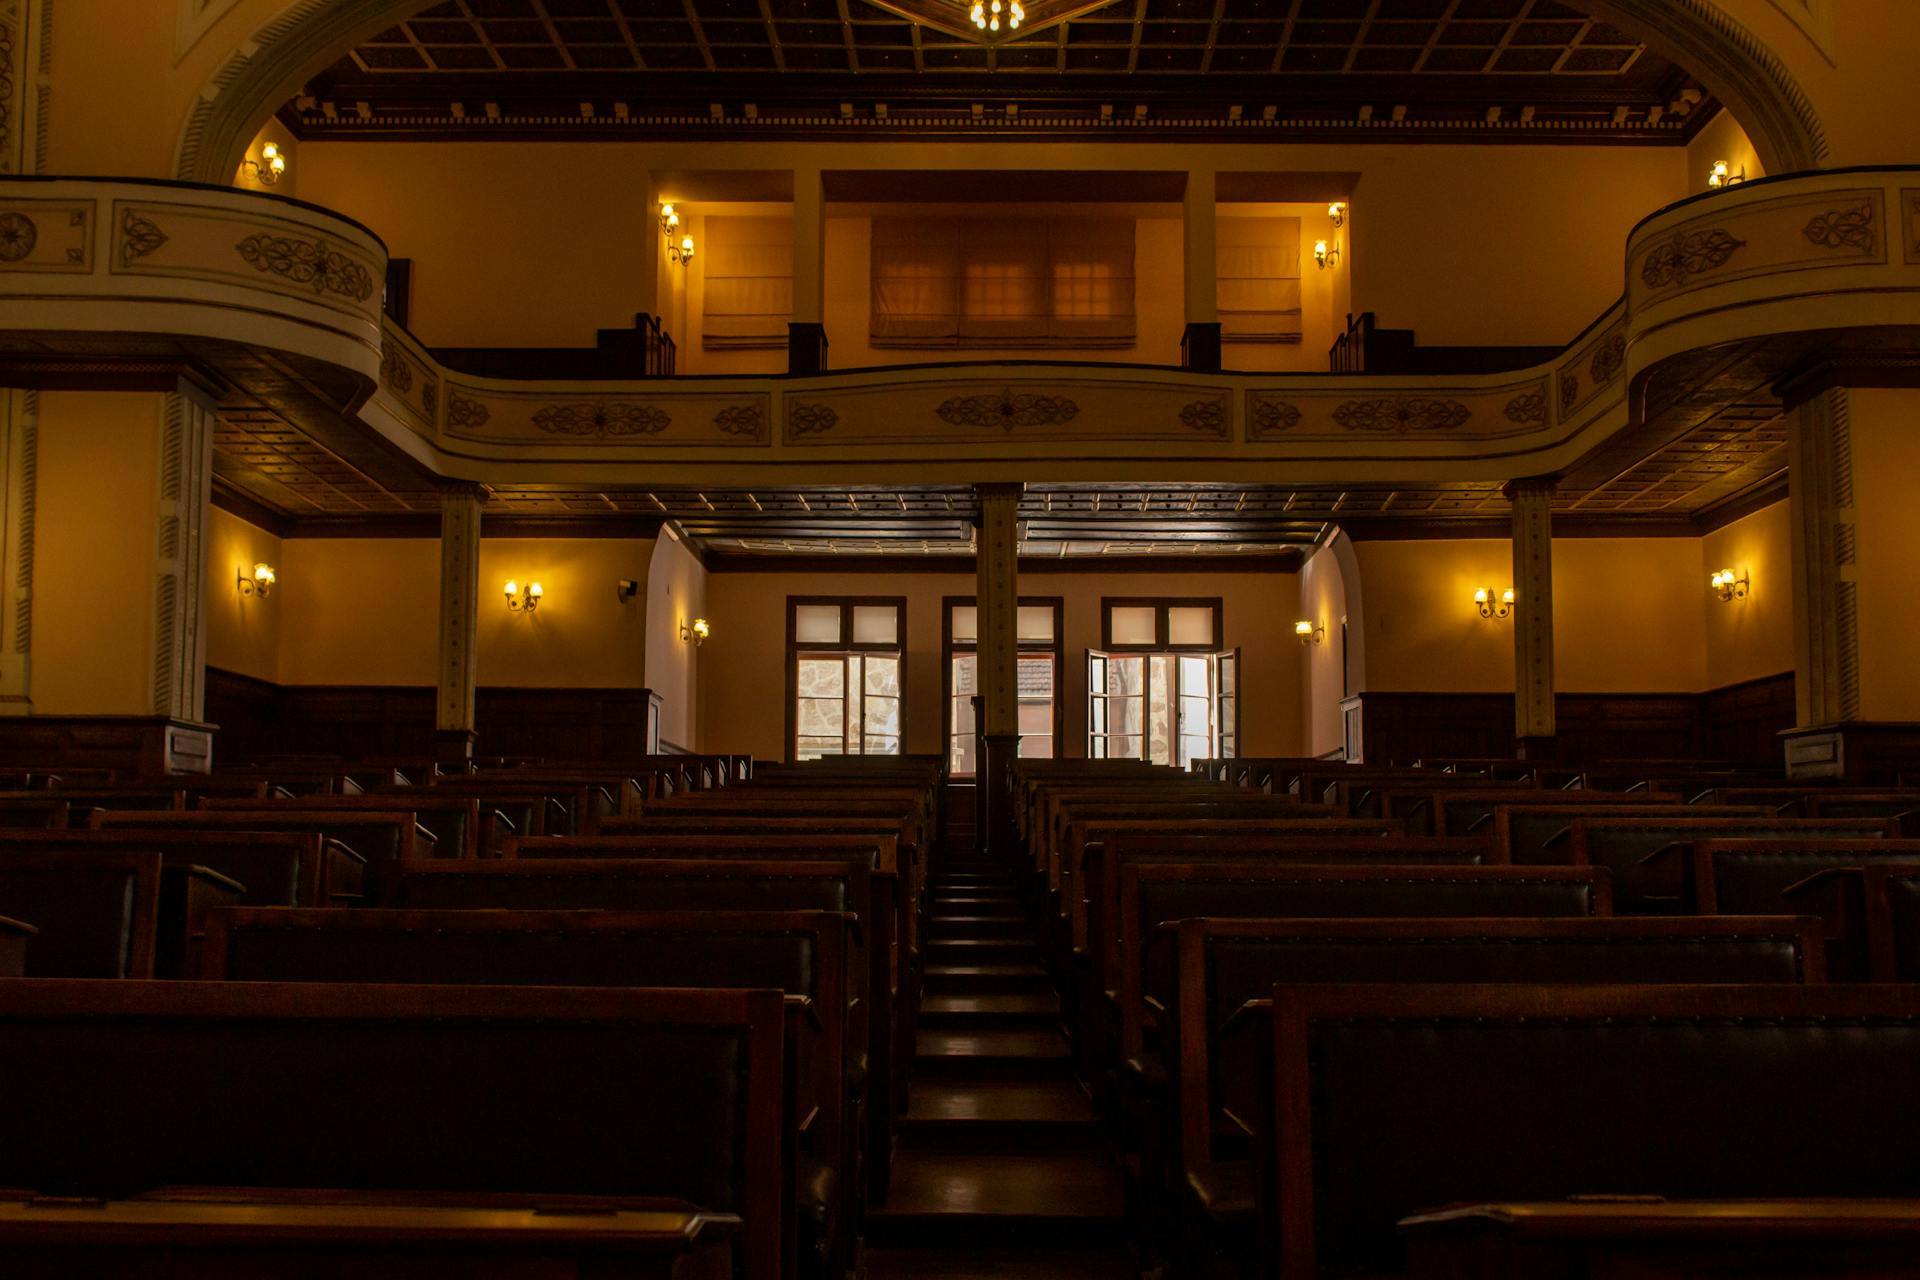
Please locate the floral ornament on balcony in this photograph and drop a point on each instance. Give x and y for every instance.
(1569, 389)
(1528, 407)
(1008, 410)
(1402, 416)
(308, 262)
(1842, 229)
(601, 420)
(138, 237)
(1270, 417)
(1607, 359)
(1688, 254)
(810, 419)
(394, 369)
(1208, 417)
(463, 411)
(741, 420)
(18, 235)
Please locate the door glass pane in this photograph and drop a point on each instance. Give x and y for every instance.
(1133, 624)
(816, 623)
(1037, 747)
(1036, 719)
(961, 747)
(1034, 624)
(966, 624)
(1189, 625)
(1126, 676)
(880, 715)
(1160, 710)
(876, 624)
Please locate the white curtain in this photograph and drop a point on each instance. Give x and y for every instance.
(749, 282)
(1257, 267)
(916, 285)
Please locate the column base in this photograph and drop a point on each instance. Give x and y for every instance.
(1200, 348)
(132, 746)
(806, 347)
(995, 802)
(453, 746)
(1542, 748)
(1854, 752)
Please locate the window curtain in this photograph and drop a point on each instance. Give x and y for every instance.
(1002, 282)
(1257, 267)
(749, 282)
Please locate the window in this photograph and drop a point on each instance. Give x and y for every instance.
(1257, 267)
(999, 282)
(1038, 633)
(1161, 688)
(748, 277)
(845, 671)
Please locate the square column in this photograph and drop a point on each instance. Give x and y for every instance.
(1200, 341)
(459, 624)
(19, 432)
(1533, 709)
(997, 595)
(807, 331)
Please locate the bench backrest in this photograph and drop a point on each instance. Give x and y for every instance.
(377, 836)
(97, 912)
(1748, 877)
(1542, 834)
(111, 1089)
(1647, 855)
(276, 868)
(454, 821)
(13, 946)
(1389, 1099)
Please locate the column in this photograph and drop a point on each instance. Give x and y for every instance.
(1820, 506)
(1533, 711)
(997, 719)
(807, 331)
(180, 556)
(19, 429)
(459, 623)
(1200, 341)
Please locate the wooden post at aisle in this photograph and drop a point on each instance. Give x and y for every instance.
(1533, 711)
(997, 657)
(459, 622)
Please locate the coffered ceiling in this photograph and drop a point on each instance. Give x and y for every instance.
(1231, 70)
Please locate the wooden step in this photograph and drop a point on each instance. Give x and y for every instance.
(970, 978)
(983, 1201)
(1045, 1104)
(941, 925)
(1035, 1046)
(1014, 950)
(968, 899)
(999, 1264)
(955, 1009)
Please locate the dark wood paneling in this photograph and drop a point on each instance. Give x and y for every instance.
(1739, 723)
(131, 746)
(247, 714)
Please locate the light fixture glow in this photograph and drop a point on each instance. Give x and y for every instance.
(985, 14)
(1325, 255)
(267, 169)
(259, 582)
(1724, 175)
(1729, 585)
(681, 253)
(1483, 599)
(523, 602)
(1337, 213)
(697, 632)
(1308, 632)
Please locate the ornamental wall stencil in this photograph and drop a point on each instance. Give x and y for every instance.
(1402, 415)
(1607, 359)
(430, 396)
(1270, 416)
(394, 369)
(138, 237)
(9, 45)
(741, 420)
(1008, 410)
(18, 235)
(1688, 254)
(1842, 229)
(465, 412)
(309, 262)
(1528, 406)
(1569, 389)
(810, 419)
(601, 420)
(1209, 417)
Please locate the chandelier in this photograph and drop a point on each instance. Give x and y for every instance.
(986, 14)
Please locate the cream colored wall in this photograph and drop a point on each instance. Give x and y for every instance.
(675, 593)
(1629, 615)
(243, 632)
(1886, 459)
(359, 611)
(1323, 602)
(93, 552)
(583, 636)
(1752, 638)
(743, 667)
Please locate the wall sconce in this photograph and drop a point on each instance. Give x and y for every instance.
(679, 247)
(1337, 213)
(1325, 255)
(1724, 175)
(1728, 587)
(1489, 608)
(523, 602)
(625, 590)
(681, 253)
(259, 582)
(697, 633)
(1309, 633)
(268, 168)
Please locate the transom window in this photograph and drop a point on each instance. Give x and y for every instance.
(1038, 634)
(844, 669)
(1162, 687)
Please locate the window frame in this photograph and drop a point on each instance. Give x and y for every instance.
(797, 648)
(947, 652)
(1161, 627)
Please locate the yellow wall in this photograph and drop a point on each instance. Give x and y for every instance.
(1721, 139)
(93, 553)
(1886, 458)
(1752, 638)
(359, 611)
(674, 594)
(243, 632)
(583, 635)
(1423, 633)
(288, 183)
(1323, 602)
(1629, 615)
(743, 668)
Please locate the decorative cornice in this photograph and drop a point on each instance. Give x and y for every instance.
(1008, 410)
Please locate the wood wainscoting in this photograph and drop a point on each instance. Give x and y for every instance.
(259, 719)
(1740, 723)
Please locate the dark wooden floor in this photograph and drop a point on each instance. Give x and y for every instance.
(1002, 1170)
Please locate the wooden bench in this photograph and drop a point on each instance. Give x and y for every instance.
(1647, 855)
(1750, 877)
(40, 809)
(1871, 916)
(376, 836)
(455, 822)
(1653, 1239)
(13, 946)
(1389, 1100)
(599, 1093)
(98, 915)
(1207, 969)
(1541, 835)
(274, 868)
(803, 954)
(1474, 811)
